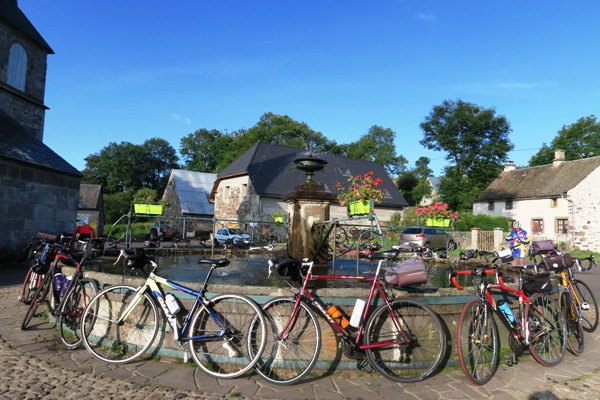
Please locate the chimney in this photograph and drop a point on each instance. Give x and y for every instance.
(559, 157)
(510, 166)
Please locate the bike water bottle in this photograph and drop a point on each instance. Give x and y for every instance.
(172, 304)
(502, 305)
(359, 307)
(338, 316)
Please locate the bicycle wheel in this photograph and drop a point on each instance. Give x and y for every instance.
(589, 307)
(30, 284)
(244, 334)
(575, 342)
(114, 337)
(408, 362)
(39, 297)
(70, 314)
(287, 360)
(547, 330)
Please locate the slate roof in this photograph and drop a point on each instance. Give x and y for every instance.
(545, 181)
(19, 144)
(13, 16)
(193, 189)
(89, 196)
(273, 173)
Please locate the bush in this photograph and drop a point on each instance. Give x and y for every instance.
(484, 222)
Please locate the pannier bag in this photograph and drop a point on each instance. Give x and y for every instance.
(505, 255)
(408, 273)
(537, 283)
(543, 247)
(557, 262)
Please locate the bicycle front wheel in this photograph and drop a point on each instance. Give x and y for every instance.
(575, 342)
(405, 361)
(587, 302)
(547, 330)
(40, 296)
(288, 358)
(239, 334)
(478, 342)
(113, 336)
(70, 315)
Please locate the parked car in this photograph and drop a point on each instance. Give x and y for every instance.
(162, 230)
(427, 236)
(235, 235)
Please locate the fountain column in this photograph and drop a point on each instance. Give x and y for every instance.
(308, 204)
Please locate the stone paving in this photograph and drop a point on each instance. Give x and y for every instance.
(33, 365)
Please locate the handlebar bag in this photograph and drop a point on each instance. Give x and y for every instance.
(543, 246)
(557, 262)
(539, 283)
(408, 273)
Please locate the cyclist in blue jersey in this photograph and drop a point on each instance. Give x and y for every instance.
(519, 240)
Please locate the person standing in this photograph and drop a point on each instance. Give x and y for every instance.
(519, 240)
(83, 232)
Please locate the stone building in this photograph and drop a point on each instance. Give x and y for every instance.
(558, 201)
(39, 189)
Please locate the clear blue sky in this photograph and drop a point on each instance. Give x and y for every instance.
(129, 70)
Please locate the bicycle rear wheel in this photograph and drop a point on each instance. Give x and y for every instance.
(287, 360)
(244, 334)
(411, 361)
(70, 314)
(547, 330)
(478, 342)
(114, 337)
(40, 296)
(30, 284)
(575, 342)
(587, 302)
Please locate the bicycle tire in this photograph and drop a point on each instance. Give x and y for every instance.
(547, 330)
(119, 343)
(40, 296)
(421, 356)
(478, 342)
(575, 339)
(30, 284)
(287, 361)
(70, 315)
(236, 352)
(586, 295)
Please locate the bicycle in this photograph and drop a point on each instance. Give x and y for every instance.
(65, 300)
(39, 257)
(402, 339)
(226, 334)
(538, 324)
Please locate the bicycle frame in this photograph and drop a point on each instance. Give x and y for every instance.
(376, 287)
(153, 284)
(565, 278)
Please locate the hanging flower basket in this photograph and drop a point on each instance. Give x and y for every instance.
(278, 220)
(361, 207)
(152, 209)
(441, 222)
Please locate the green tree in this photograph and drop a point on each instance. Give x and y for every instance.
(115, 206)
(378, 145)
(202, 150)
(406, 182)
(579, 140)
(476, 143)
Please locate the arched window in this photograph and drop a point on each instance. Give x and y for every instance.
(17, 67)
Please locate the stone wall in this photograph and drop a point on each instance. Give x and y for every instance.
(585, 213)
(34, 199)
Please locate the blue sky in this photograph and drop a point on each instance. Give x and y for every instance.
(136, 69)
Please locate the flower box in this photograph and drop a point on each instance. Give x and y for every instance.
(152, 209)
(278, 220)
(441, 222)
(360, 207)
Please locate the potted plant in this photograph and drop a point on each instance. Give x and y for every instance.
(361, 194)
(437, 214)
(278, 216)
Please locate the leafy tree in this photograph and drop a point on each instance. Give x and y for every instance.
(579, 140)
(146, 195)
(203, 149)
(476, 143)
(406, 183)
(116, 205)
(378, 145)
(422, 169)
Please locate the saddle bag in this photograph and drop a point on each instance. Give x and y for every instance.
(539, 283)
(506, 255)
(286, 268)
(543, 247)
(408, 273)
(557, 262)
